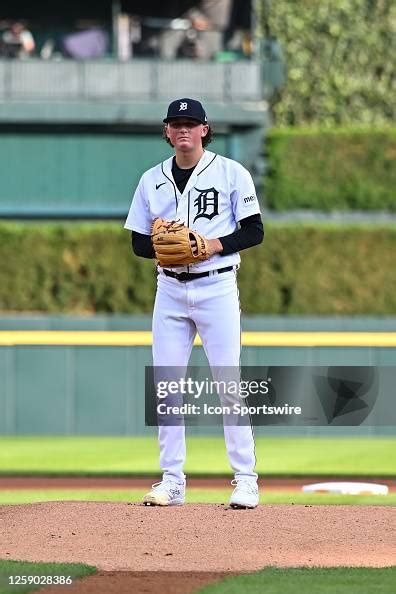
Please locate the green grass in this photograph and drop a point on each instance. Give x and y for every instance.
(340, 580)
(10, 569)
(205, 456)
(193, 496)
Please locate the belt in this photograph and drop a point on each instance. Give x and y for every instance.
(187, 276)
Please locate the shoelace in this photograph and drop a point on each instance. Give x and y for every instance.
(245, 485)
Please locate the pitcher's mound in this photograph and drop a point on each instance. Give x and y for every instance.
(132, 537)
(197, 538)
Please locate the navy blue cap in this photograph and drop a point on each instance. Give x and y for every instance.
(186, 108)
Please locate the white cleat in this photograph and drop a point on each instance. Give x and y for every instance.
(245, 495)
(167, 492)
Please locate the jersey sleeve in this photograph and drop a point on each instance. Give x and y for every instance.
(139, 218)
(243, 194)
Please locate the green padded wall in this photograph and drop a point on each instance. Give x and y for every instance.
(76, 173)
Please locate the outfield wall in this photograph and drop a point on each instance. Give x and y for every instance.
(85, 376)
(76, 135)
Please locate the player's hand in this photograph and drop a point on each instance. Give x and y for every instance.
(215, 247)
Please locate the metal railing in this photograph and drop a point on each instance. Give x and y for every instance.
(139, 79)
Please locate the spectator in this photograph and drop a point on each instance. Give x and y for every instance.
(17, 41)
(87, 44)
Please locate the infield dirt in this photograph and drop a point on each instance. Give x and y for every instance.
(179, 549)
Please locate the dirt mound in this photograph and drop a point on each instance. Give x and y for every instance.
(121, 537)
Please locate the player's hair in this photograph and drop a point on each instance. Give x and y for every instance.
(205, 140)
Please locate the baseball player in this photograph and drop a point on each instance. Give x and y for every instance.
(215, 197)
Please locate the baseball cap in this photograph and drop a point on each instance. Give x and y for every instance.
(186, 108)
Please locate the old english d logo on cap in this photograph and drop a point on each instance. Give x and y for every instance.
(186, 108)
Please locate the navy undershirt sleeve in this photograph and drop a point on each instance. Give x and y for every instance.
(142, 246)
(250, 233)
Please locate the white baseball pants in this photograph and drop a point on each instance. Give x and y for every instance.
(209, 306)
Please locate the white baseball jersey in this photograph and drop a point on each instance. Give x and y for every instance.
(219, 193)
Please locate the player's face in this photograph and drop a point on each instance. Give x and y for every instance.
(186, 134)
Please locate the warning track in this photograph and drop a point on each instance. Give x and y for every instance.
(121, 483)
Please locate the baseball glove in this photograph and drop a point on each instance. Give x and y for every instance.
(172, 243)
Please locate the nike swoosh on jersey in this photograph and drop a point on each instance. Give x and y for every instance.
(159, 185)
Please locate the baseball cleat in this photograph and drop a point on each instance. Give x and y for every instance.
(245, 495)
(166, 492)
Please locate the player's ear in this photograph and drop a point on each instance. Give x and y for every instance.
(205, 130)
(166, 130)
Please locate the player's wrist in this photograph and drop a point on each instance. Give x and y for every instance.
(215, 246)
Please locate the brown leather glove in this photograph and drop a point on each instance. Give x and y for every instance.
(172, 243)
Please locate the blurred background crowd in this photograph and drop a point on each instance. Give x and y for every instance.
(206, 29)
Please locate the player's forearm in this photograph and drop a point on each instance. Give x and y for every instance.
(250, 234)
(142, 245)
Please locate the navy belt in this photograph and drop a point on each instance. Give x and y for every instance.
(187, 276)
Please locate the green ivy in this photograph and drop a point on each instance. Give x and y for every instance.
(335, 169)
(299, 269)
(340, 59)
